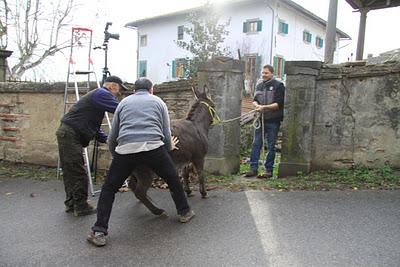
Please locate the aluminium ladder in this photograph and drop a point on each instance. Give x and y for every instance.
(81, 45)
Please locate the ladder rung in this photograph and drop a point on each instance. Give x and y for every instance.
(83, 72)
(70, 103)
(79, 88)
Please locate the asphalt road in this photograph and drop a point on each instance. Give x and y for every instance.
(337, 228)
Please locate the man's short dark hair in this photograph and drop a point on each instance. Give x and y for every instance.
(269, 67)
(143, 83)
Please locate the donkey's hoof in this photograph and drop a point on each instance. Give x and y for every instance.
(190, 194)
(163, 215)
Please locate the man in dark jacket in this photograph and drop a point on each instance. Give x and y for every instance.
(268, 100)
(80, 125)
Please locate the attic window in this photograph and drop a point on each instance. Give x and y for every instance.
(143, 40)
(180, 32)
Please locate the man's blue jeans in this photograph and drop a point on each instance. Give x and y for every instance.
(271, 130)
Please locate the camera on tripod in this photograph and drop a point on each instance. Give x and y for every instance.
(108, 35)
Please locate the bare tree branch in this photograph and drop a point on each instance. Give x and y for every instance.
(4, 14)
(38, 26)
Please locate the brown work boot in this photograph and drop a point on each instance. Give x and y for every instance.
(251, 173)
(85, 210)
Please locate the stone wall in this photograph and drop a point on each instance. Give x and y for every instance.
(340, 116)
(30, 114)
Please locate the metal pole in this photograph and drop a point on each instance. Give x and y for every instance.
(331, 32)
(361, 33)
(272, 34)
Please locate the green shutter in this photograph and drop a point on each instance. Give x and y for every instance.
(259, 25)
(304, 36)
(310, 38)
(286, 28)
(280, 27)
(185, 68)
(173, 69)
(283, 67)
(142, 68)
(275, 62)
(322, 42)
(258, 65)
(245, 26)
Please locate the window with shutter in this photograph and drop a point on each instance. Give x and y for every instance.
(252, 26)
(279, 67)
(307, 36)
(319, 42)
(283, 27)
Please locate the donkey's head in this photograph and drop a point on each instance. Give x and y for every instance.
(204, 108)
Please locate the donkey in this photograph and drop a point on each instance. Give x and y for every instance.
(192, 147)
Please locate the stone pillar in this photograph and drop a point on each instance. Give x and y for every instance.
(4, 54)
(224, 78)
(298, 123)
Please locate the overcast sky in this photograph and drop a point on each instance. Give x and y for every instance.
(381, 33)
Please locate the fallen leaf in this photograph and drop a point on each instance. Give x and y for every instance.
(9, 193)
(123, 189)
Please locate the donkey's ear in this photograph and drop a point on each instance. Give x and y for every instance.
(195, 92)
(207, 92)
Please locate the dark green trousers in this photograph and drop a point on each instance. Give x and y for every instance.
(72, 164)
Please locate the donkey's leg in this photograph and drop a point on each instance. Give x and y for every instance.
(186, 186)
(143, 184)
(199, 164)
(132, 182)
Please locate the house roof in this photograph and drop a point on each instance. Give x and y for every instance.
(377, 4)
(185, 12)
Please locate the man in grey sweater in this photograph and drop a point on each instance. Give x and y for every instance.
(140, 135)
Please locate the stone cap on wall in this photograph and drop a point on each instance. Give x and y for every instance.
(59, 87)
(357, 70)
(302, 67)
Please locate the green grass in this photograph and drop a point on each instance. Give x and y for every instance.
(19, 170)
(359, 178)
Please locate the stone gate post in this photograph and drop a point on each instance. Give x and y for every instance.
(224, 78)
(4, 54)
(298, 122)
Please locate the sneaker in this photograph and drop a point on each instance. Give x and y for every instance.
(251, 173)
(184, 218)
(87, 210)
(97, 238)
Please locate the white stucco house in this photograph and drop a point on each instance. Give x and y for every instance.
(265, 32)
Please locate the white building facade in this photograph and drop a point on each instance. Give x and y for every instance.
(265, 32)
